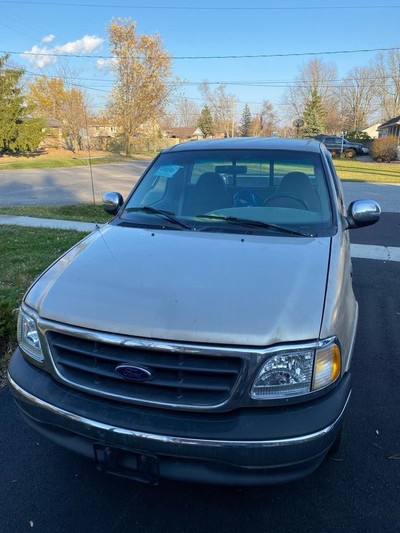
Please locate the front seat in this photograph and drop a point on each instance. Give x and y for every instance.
(295, 191)
(208, 194)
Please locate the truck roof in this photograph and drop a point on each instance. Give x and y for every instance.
(248, 143)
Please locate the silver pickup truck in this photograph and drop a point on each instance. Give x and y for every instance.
(206, 332)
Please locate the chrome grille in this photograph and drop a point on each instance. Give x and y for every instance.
(177, 378)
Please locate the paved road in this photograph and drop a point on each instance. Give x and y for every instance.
(64, 186)
(356, 490)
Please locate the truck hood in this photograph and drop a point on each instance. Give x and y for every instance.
(189, 286)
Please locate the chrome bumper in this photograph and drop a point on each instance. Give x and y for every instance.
(63, 426)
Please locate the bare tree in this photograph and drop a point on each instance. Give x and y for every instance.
(387, 72)
(320, 77)
(265, 122)
(143, 83)
(185, 113)
(222, 106)
(358, 98)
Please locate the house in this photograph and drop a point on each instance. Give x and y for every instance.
(372, 131)
(54, 136)
(185, 134)
(391, 127)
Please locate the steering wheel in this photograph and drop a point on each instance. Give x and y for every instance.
(245, 198)
(292, 196)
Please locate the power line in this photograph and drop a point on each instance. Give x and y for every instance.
(271, 84)
(204, 8)
(246, 56)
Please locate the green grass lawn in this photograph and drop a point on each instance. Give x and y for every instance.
(67, 159)
(80, 212)
(351, 169)
(26, 252)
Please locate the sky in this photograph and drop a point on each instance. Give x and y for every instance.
(188, 28)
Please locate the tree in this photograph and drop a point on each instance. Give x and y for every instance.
(319, 76)
(314, 116)
(387, 85)
(265, 122)
(222, 107)
(19, 132)
(245, 122)
(53, 100)
(186, 113)
(142, 70)
(205, 122)
(357, 98)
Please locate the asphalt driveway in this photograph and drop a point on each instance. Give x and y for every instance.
(51, 490)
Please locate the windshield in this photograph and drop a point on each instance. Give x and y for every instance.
(227, 190)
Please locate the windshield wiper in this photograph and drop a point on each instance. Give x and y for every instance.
(255, 223)
(166, 214)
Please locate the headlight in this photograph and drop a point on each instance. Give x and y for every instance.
(296, 372)
(28, 337)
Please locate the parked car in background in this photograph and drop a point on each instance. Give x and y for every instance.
(205, 333)
(334, 145)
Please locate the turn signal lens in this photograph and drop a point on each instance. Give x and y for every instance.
(327, 366)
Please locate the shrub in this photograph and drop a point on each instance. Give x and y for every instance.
(358, 137)
(8, 328)
(385, 148)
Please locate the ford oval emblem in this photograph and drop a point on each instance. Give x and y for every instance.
(133, 373)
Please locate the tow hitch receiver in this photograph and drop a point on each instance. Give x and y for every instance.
(133, 464)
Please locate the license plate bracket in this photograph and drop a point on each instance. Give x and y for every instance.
(133, 464)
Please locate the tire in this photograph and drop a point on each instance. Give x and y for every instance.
(350, 153)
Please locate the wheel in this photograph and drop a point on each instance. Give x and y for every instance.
(292, 196)
(350, 153)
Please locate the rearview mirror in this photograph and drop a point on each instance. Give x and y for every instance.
(112, 202)
(363, 213)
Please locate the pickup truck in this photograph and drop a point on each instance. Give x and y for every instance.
(206, 332)
(334, 145)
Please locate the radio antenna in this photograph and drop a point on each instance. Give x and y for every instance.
(89, 156)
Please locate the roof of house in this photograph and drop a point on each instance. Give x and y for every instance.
(52, 123)
(183, 131)
(391, 122)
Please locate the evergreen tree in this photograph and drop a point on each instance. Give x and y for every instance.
(205, 122)
(18, 131)
(245, 122)
(314, 116)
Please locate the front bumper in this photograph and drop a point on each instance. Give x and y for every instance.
(245, 447)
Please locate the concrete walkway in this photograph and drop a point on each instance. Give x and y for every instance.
(10, 220)
(361, 251)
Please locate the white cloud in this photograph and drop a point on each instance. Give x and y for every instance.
(105, 63)
(48, 38)
(39, 59)
(87, 44)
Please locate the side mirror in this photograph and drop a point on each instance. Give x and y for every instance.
(112, 202)
(362, 213)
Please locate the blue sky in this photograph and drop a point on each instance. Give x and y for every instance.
(78, 27)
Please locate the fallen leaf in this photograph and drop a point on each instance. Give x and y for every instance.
(31, 523)
(377, 431)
